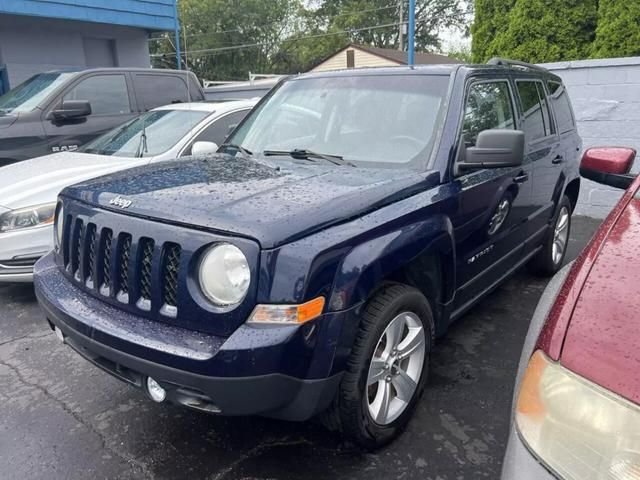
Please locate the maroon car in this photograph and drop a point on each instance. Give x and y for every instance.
(576, 411)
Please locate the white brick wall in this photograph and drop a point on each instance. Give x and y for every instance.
(606, 99)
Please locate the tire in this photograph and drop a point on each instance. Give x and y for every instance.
(547, 262)
(393, 308)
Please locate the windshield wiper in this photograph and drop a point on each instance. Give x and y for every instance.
(304, 154)
(142, 146)
(240, 148)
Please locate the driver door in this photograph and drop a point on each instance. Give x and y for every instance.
(494, 203)
(111, 106)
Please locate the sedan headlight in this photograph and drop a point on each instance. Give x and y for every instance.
(224, 274)
(28, 217)
(577, 428)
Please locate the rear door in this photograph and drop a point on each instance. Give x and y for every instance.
(491, 223)
(155, 89)
(111, 105)
(543, 150)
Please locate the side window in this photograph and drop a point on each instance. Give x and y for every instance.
(219, 130)
(546, 111)
(488, 106)
(561, 107)
(537, 123)
(157, 90)
(107, 94)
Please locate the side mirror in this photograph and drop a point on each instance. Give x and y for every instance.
(494, 148)
(72, 109)
(204, 148)
(609, 166)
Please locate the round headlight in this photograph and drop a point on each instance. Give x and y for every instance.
(59, 224)
(224, 274)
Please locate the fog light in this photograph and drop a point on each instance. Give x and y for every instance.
(156, 392)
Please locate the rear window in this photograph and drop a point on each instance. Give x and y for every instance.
(561, 107)
(157, 90)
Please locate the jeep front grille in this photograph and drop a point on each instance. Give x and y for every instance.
(123, 268)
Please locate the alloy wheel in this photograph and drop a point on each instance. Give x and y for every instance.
(396, 367)
(560, 235)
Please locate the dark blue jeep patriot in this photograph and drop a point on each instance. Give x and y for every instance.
(309, 265)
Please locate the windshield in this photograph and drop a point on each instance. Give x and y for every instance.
(376, 121)
(150, 134)
(26, 96)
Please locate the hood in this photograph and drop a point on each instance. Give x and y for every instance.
(602, 340)
(7, 119)
(273, 205)
(40, 180)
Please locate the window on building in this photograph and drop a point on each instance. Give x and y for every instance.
(561, 107)
(488, 106)
(107, 94)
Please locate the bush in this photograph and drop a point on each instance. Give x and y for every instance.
(618, 32)
(542, 30)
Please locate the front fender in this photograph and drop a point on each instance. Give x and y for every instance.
(420, 247)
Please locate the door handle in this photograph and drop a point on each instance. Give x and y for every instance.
(523, 177)
(559, 159)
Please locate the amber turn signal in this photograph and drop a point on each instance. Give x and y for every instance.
(287, 314)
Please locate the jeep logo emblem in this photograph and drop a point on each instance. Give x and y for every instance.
(120, 202)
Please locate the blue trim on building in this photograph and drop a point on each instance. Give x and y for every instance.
(148, 14)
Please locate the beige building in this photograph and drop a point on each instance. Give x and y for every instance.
(359, 56)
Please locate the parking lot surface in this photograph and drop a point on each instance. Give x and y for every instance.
(62, 418)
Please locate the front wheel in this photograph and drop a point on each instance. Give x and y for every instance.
(388, 367)
(549, 260)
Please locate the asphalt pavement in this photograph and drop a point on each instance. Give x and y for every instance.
(62, 418)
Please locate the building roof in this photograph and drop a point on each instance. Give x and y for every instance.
(421, 58)
(147, 14)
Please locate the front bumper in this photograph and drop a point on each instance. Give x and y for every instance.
(250, 373)
(19, 251)
(520, 464)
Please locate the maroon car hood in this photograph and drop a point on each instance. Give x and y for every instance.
(602, 342)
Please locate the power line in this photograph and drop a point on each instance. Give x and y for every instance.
(239, 30)
(214, 51)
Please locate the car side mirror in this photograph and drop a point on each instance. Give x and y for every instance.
(495, 148)
(609, 166)
(72, 110)
(204, 148)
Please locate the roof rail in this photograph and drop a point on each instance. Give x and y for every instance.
(515, 63)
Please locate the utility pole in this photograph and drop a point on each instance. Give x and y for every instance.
(177, 33)
(401, 36)
(412, 32)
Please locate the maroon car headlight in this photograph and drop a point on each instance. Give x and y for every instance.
(576, 428)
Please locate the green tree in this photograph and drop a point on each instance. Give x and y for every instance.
(618, 32)
(229, 38)
(490, 18)
(548, 30)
